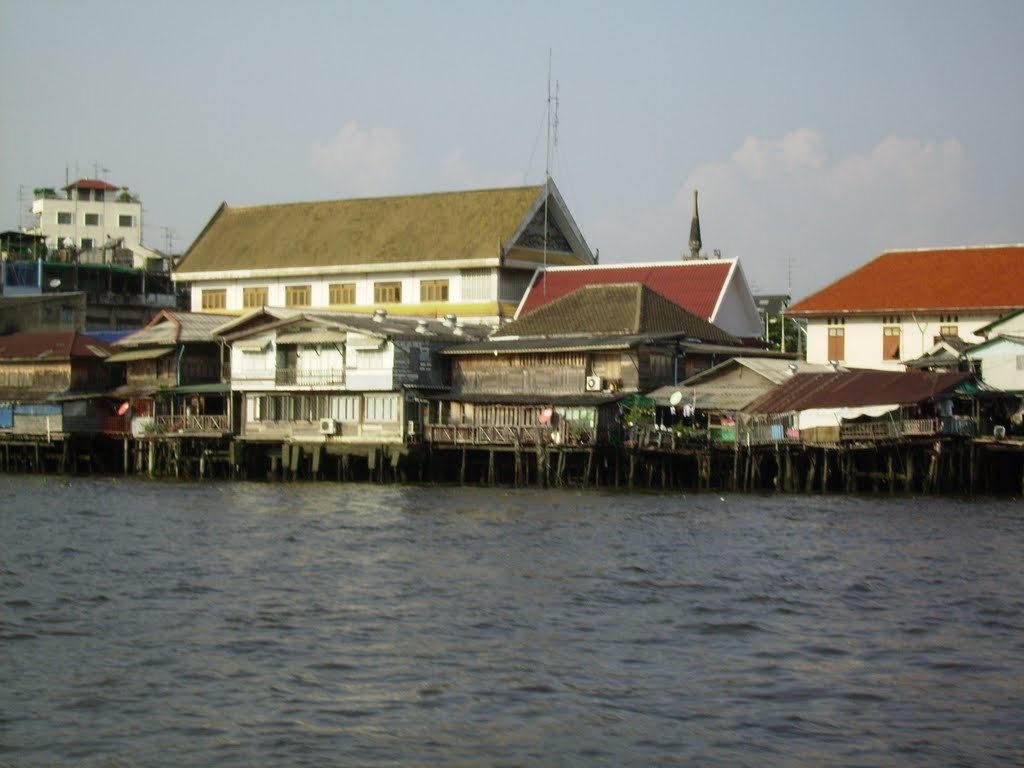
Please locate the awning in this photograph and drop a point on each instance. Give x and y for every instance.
(139, 354)
(831, 417)
(214, 388)
(251, 345)
(315, 336)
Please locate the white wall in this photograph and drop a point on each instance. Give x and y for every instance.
(1002, 365)
(108, 210)
(863, 338)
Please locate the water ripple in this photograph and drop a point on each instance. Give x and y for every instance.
(241, 624)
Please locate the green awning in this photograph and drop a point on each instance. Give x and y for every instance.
(139, 354)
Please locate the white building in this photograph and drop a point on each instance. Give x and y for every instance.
(89, 215)
(470, 253)
(897, 307)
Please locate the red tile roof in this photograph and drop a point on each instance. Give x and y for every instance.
(53, 345)
(982, 278)
(693, 285)
(91, 184)
(849, 389)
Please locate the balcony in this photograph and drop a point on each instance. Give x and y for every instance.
(215, 424)
(297, 377)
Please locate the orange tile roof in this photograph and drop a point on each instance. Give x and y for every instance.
(981, 278)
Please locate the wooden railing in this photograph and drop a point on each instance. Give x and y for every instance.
(476, 434)
(193, 424)
(117, 425)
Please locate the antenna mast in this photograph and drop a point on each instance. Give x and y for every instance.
(552, 140)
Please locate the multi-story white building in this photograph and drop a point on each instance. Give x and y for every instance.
(89, 215)
(895, 308)
(471, 254)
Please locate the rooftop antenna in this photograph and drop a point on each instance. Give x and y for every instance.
(552, 140)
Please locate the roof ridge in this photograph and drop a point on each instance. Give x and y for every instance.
(381, 198)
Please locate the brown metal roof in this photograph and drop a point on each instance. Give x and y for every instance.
(412, 228)
(55, 345)
(618, 308)
(851, 388)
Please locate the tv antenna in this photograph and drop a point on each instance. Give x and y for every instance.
(552, 141)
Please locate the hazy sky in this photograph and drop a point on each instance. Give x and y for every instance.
(818, 133)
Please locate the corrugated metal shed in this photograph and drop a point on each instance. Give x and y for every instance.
(852, 388)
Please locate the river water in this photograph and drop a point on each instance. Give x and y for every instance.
(241, 624)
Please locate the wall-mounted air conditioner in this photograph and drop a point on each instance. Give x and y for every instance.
(594, 383)
(328, 427)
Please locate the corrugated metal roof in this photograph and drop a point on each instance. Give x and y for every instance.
(139, 354)
(712, 397)
(313, 336)
(545, 344)
(412, 228)
(55, 345)
(694, 285)
(173, 327)
(855, 388)
(986, 277)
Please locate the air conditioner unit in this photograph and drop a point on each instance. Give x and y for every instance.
(593, 383)
(328, 427)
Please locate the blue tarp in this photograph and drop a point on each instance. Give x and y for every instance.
(36, 409)
(6, 416)
(109, 336)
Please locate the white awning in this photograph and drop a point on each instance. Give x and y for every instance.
(833, 417)
(251, 345)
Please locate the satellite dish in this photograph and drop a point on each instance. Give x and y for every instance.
(676, 398)
(124, 408)
(55, 283)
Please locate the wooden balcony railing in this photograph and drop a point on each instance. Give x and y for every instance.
(117, 425)
(193, 424)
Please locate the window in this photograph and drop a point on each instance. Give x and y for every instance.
(433, 290)
(64, 217)
(254, 297)
(97, 195)
(214, 298)
(371, 360)
(92, 219)
(348, 408)
(891, 342)
(86, 243)
(387, 293)
(381, 408)
(476, 284)
(836, 343)
(125, 220)
(341, 293)
(297, 295)
(948, 330)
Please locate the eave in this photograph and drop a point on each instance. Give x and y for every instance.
(362, 268)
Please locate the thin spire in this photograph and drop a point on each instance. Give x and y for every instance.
(695, 242)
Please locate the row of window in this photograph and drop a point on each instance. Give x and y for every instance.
(891, 335)
(66, 218)
(382, 408)
(339, 294)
